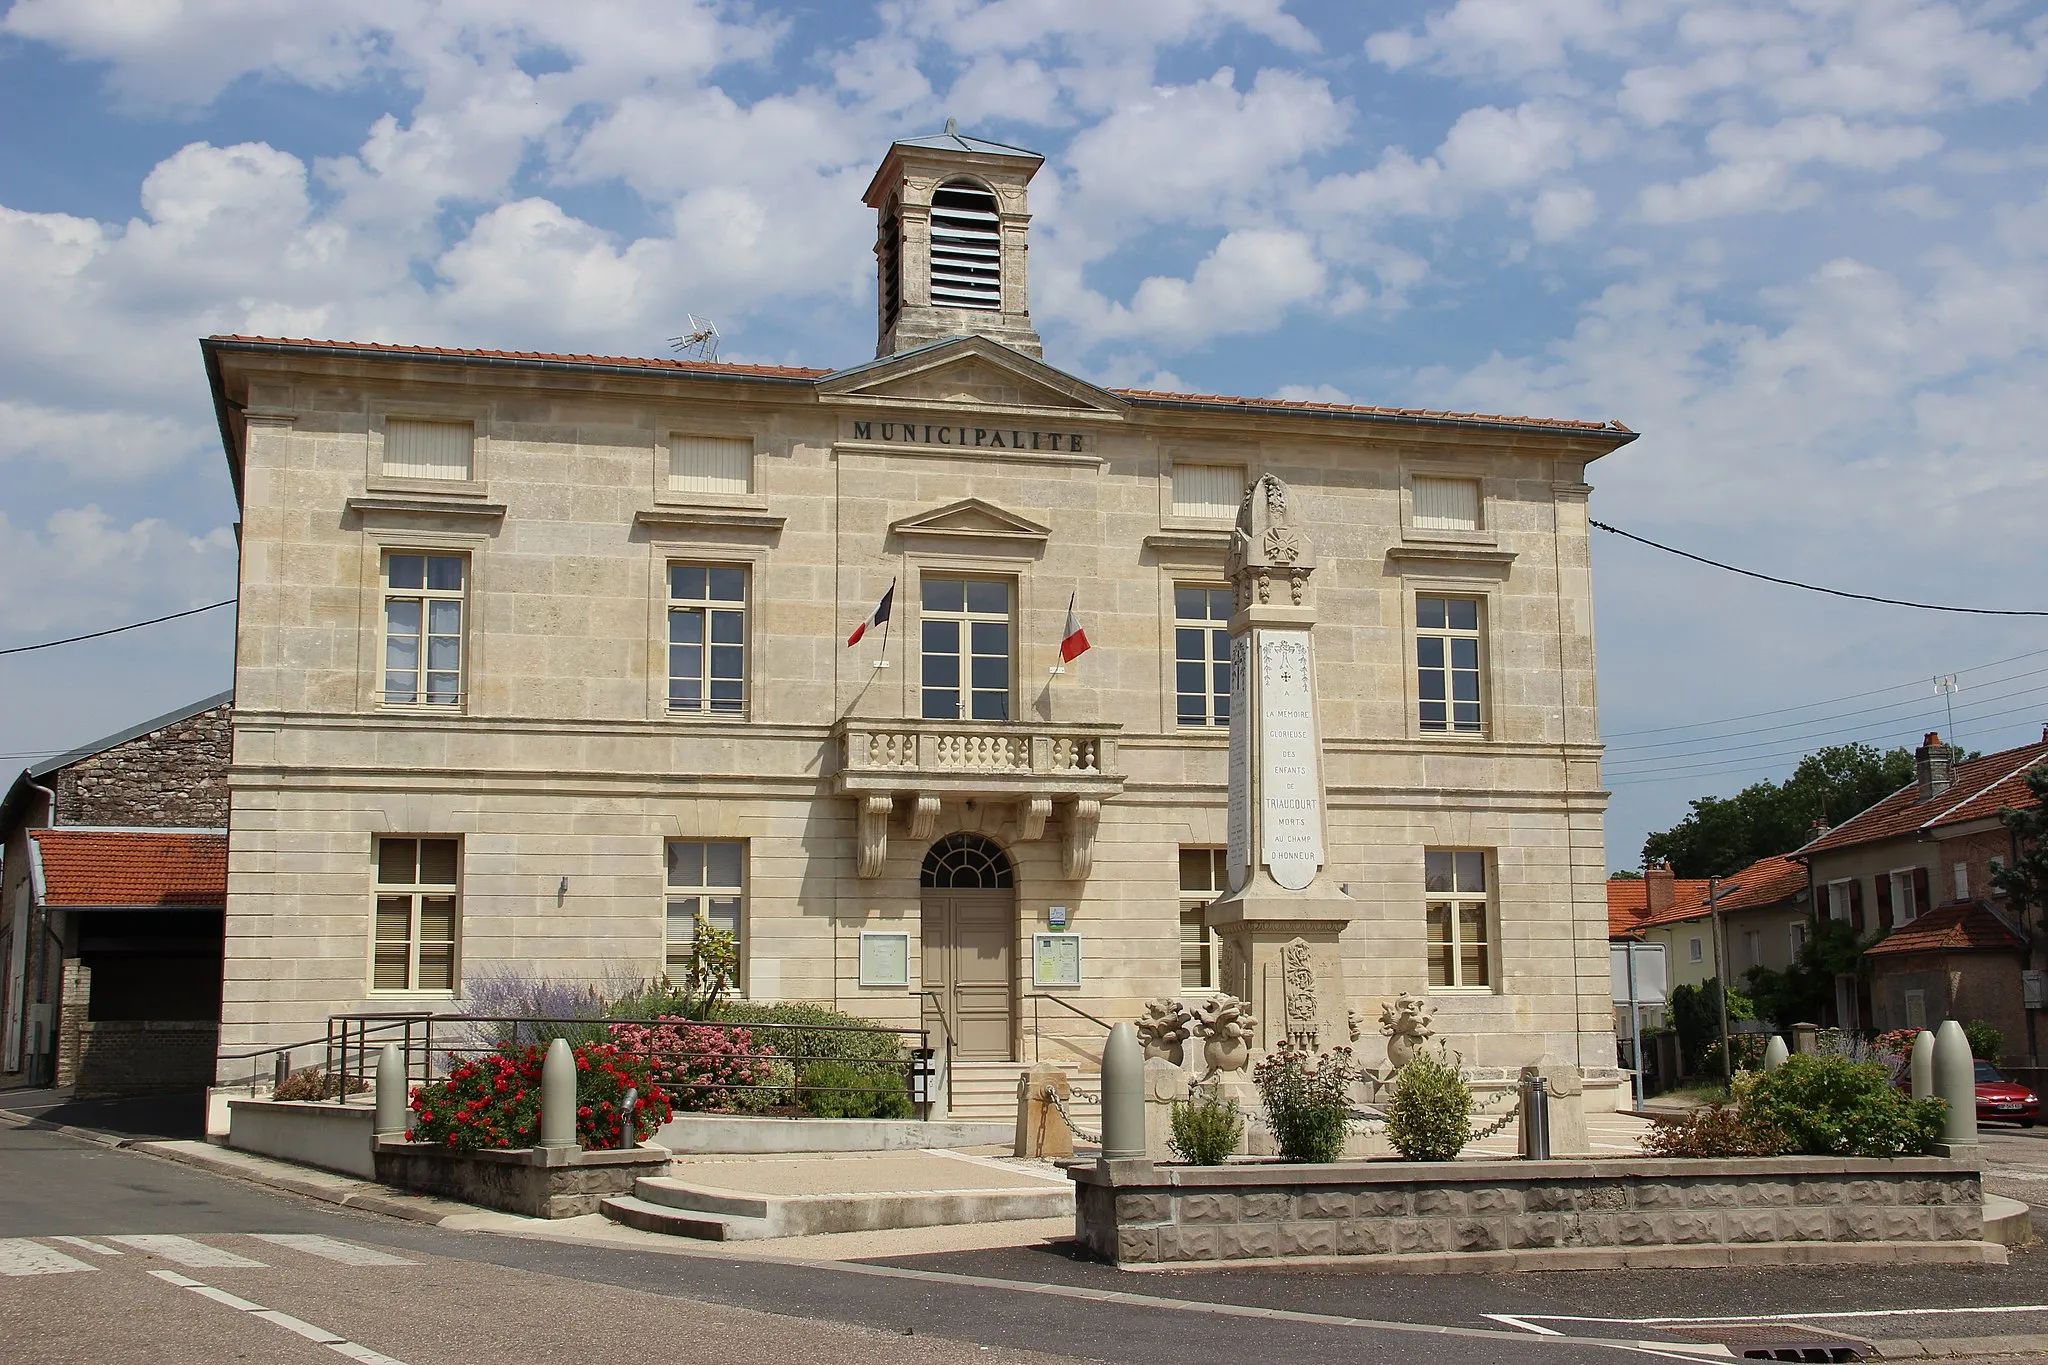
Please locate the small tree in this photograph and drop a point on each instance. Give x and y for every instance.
(1987, 1042)
(2025, 882)
(1430, 1115)
(1803, 991)
(1695, 1013)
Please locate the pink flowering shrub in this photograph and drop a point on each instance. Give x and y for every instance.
(1898, 1042)
(702, 1066)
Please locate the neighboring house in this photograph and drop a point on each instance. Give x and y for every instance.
(540, 656)
(1916, 869)
(115, 881)
(1659, 908)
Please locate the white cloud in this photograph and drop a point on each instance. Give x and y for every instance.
(97, 445)
(1824, 137)
(1730, 188)
(1562, 211)
(1246, 284)
(1311, 393)
(1919, 201)
(1517, 37)
(83, 570)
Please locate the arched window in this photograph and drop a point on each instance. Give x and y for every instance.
(889, 246)
(967, 862)
(967, 248)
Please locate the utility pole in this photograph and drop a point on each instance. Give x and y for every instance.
(1721, 972)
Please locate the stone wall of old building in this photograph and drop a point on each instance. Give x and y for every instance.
(175, 776)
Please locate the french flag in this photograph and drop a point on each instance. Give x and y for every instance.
(1074, 643)
(881, 614)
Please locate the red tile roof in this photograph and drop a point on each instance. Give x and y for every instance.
(1764, 882)
(1628, 904)
(1976, 788)
(1948, 929)
(133, 867)
(797, 372)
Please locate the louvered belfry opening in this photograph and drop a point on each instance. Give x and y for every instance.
(889, 245)
(967, 248)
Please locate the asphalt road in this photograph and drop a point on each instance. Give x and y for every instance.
(238, 1280)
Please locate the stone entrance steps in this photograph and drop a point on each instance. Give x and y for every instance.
(725, 1201)
(987, 1092)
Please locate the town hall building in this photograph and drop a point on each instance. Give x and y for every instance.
(541, 657)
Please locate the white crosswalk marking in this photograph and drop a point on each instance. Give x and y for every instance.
(328, 1248)
(94, 1247)
(183, 1250)
(20, 1256)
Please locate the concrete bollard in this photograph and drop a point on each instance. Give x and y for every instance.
(1042, 1131)
(1806, 1039)
(558, 1096)
(1123, 1096)
(1775, 1053)
(390, 1125)
(1955, 1080)
(1921, 1065)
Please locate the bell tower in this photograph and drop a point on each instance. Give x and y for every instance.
(950, 219)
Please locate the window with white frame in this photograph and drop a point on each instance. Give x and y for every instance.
(418, 898)
(1446, 504)
(1840, 900)
(1447, 664)
(1207, 492)
(1795, 939)
(1753, 948)
(707, 639)
(1905, 908)
(706, 878)
(1201, 654)
(1696, 950)
(1962, 876)
(966, 651)
(423, 596)
(415, 449)
(710, 464)
(1204, 875)
(1459, 915)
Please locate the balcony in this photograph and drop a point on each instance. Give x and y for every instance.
(1041, 767)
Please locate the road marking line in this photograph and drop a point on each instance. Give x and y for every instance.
(1529, 1320)
(88, 1245)
(291, 1324)
(184, 1251)
(329, 1248)
(1513, 1321)
(20, 1256)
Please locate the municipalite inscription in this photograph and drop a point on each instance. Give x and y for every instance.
(1291, 803)
(971, 438)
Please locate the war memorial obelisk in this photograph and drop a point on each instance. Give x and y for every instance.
(1281, 921)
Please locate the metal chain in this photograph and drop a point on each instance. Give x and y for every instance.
(1490, 1129)
(1052, 1093)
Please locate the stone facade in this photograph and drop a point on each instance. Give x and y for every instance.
(562, 770)
(534, 1181)
(1687, 1212)
(175, 776)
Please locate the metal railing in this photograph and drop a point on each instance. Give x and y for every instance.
(1038, 1029)
(946, 1032)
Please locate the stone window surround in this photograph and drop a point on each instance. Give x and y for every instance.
(1495, 971)
(678, 545)
(478, 415)
(1433, 469)
(1238, 457)
(1487, 594)
(1208, 626)
(666, 430)
(1024, 601)
(745, 607)
(370, 990)
(379, 541)
(743, 938)
(1195, 901)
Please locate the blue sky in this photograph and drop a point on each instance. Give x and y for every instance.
(1803, 247)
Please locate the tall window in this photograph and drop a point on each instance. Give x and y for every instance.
(1210, 492)
(1447, 664)
(708, 879)
(710, 464)
(428, 450)
(1458, 913)
(967, 248)
(966, 649)
(1795, 939)
(423, 629)
(1753, 948)
(1446, 504)
(1906, 897)
(1204, 875)
(707, 639)
(418, 888)
(1201, 655)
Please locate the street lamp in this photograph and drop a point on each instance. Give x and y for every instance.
(1714, 890)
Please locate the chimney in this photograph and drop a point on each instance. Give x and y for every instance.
(1660, 887)
(1817, 829)
(1934, 766)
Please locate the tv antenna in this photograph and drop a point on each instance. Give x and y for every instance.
(702, 339)
(1947, 685)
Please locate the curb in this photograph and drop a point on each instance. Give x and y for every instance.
(339, 1191)
(1909, 1348)
(92, 1135)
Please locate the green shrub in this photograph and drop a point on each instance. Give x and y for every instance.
(1430, 1115)
(817, 1042)
(1832, 1106)
(1749, 1049)
(847, 1090)
(1712, 1130)
(1206, 1128)
(314, 1084)
(1987, 1044)
(1306, 1102)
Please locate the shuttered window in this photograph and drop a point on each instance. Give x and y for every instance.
(418, 891)
(1457, 917)
(1204, 875)
(710, 464)
(428, 450)
(1446, 505)
(1208, 491)
(967, 248)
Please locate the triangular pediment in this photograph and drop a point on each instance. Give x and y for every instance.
(970, 519)
(969, 374)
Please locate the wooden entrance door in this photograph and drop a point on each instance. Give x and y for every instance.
(970, 944)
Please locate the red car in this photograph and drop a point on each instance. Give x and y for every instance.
(2001, 1099)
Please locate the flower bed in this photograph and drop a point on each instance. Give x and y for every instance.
(493, 1102)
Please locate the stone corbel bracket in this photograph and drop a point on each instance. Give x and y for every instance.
(1034, 812)
(874, 833)
(1077, 849)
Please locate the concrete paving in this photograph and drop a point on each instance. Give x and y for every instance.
(864, 1173)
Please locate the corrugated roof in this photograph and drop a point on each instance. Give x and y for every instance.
(1609, 428)
(89, 867)
(1948, 929)
(1971, 788)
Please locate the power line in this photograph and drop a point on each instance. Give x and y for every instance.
(1811, 587)
(116, 630)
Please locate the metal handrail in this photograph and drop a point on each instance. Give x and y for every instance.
(946, 1031)
(1037, 1030)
